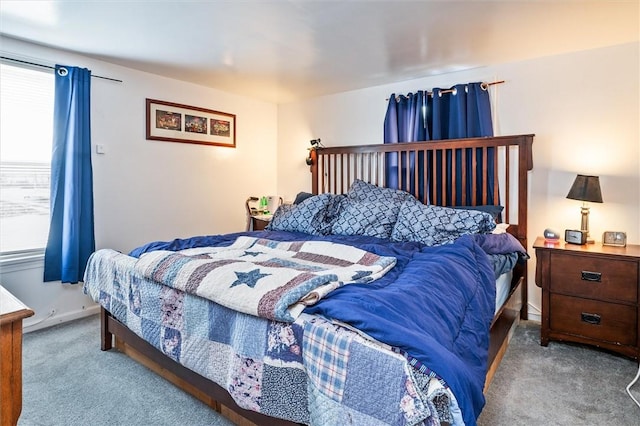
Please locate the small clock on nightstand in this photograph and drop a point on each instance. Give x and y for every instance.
(614, 238)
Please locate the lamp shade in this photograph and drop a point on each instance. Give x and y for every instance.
(586, 188)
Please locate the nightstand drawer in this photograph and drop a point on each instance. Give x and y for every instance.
(602, 321)
(594, 277)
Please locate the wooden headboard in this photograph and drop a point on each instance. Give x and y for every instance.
(335, 168)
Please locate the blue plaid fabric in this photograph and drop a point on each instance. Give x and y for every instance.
(326, 354)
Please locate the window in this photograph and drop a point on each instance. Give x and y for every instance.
(26, 135)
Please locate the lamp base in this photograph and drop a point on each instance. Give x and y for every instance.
(584, 223)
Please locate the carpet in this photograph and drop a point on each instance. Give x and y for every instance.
(561, 384)
(69, 381)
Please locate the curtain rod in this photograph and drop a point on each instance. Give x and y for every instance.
(442, 92)
(52, 68)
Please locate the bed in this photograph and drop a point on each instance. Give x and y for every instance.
(380, 350)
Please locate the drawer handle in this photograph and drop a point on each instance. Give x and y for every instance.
(590, 318)
(595, 277)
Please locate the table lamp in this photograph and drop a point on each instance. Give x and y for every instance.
(586, 189)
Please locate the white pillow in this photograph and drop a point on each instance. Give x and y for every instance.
(501, 228)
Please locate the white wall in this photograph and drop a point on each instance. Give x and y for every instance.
(583, 108)
(150, 190)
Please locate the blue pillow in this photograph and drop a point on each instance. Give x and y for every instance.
(375, 219)
(491, 209)
(435, 225)
(363, 191)
(335, 206)
(369, 210)
(313, 216)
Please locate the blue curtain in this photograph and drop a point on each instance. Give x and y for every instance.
(463, 111)
(71, 235)
(404, 122)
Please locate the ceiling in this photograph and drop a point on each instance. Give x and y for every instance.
(281, 51)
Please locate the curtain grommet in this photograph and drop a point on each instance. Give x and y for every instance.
(62, 72)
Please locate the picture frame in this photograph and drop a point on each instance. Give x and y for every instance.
(172, 122)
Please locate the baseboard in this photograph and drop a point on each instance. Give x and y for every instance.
(534, 317)
(56, 319)
(533, 313)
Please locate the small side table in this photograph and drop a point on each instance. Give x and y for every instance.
(257, 220)
(590, 295)
(260, 221)
(12, 312)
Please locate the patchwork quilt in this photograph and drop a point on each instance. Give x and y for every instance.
(311, 371)
(396, 350)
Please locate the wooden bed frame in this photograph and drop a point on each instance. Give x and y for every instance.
(333, 169)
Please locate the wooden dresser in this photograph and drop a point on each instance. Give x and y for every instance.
(590, 294)
(12, 312)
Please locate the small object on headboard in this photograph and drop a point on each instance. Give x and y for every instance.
(551, 236)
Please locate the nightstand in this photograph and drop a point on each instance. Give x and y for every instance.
(259, 218)
(259, 222)
(590, 294)
(256, 220)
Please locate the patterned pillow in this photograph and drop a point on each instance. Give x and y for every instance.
(374, 219)
(335, 206)
(434, 225)
(312, 216)
(369, 210)
(494, 211)
(363, 191)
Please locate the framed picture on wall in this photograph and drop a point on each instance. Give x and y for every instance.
(171, 122)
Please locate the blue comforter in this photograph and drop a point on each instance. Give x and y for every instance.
(436, 304)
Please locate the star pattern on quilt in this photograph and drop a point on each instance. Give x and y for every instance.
(251, 253)
(250, 279)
